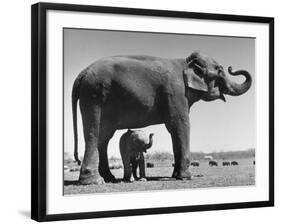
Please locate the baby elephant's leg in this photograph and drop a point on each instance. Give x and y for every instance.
(134, 163)
(142, 168)
(127, 169)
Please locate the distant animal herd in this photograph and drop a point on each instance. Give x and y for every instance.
(212, 162)
(224, 163)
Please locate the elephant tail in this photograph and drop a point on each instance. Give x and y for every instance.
(75, 97)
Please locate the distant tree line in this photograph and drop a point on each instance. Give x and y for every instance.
(250, 153)
(159, 156)
(163, 156)
(221, 155)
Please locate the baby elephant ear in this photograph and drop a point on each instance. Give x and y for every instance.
(193, 81)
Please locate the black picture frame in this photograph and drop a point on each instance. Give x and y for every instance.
(39, 122)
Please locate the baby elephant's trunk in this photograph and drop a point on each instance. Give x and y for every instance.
(147, 146)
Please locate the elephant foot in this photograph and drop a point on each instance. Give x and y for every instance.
(87, 177)
(106, 174)
(181, 170)
(109, 178)
(91, 180)
(181, 175)
(175, 173)
(126, 180)
(183, 178)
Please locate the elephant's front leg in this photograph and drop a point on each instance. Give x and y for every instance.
(180, 139)
(179, 127)
(89, 173)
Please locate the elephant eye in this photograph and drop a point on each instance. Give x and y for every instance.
(199, 62)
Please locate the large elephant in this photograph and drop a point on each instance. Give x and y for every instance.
(123, 92)
(132, 146)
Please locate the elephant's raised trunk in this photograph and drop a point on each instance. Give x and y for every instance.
(235, 89)
(147, 146)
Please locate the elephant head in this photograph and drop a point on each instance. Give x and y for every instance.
(206, 75)
(141, 141)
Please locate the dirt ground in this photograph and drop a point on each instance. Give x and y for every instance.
(159, 178)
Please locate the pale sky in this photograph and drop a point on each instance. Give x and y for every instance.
(215, 125)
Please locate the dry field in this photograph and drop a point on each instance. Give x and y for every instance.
(159, 178)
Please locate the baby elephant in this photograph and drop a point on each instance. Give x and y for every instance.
(132, 146)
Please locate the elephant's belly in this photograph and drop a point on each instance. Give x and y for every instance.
(130, 116)
(137, 123)
(133, 107)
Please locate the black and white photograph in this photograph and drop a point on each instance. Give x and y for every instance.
(157, 111)
(135, 111)
(140, 112)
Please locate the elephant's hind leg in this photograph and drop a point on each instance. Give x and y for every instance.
(105, 136)
(89, 173)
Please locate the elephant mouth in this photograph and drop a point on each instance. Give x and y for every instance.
(216, 90)
(219, 84)
(222, 98)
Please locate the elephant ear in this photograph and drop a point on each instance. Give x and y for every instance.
(193, 81)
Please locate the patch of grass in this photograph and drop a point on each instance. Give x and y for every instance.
(159, 178)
